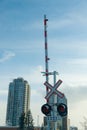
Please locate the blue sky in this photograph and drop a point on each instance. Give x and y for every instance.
(22, 50)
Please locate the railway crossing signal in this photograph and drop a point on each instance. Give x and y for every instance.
(52, 104)
(61, 109)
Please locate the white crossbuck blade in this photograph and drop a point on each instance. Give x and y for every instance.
(53, 89)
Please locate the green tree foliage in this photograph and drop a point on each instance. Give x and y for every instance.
(29, 120)
(22, 120)
(26, 120)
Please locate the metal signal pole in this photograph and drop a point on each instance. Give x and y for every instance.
(52, 109)
(53, 99)
(46, 60)
(46, 49)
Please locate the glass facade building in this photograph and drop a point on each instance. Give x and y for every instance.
(18, 101)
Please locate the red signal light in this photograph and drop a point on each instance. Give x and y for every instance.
(62, 109)
(46, 109)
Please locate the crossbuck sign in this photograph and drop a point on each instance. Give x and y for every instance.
(53, 89)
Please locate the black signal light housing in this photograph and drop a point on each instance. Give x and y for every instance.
(46, 109)
(62, 109)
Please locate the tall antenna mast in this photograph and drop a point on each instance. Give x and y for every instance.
(46, 49)
(46, 52)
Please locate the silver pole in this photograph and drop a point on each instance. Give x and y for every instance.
(55, 101)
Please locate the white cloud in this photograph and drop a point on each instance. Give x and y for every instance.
(72, 19)
(77, 112)
(2, 112)
(57, 24)
(68, 44)
(78, 61)
(74, 79)
(34, 75)
(3, 92)
(6, 56)
(76, 94)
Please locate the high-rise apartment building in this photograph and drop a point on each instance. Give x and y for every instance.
(18, 101)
